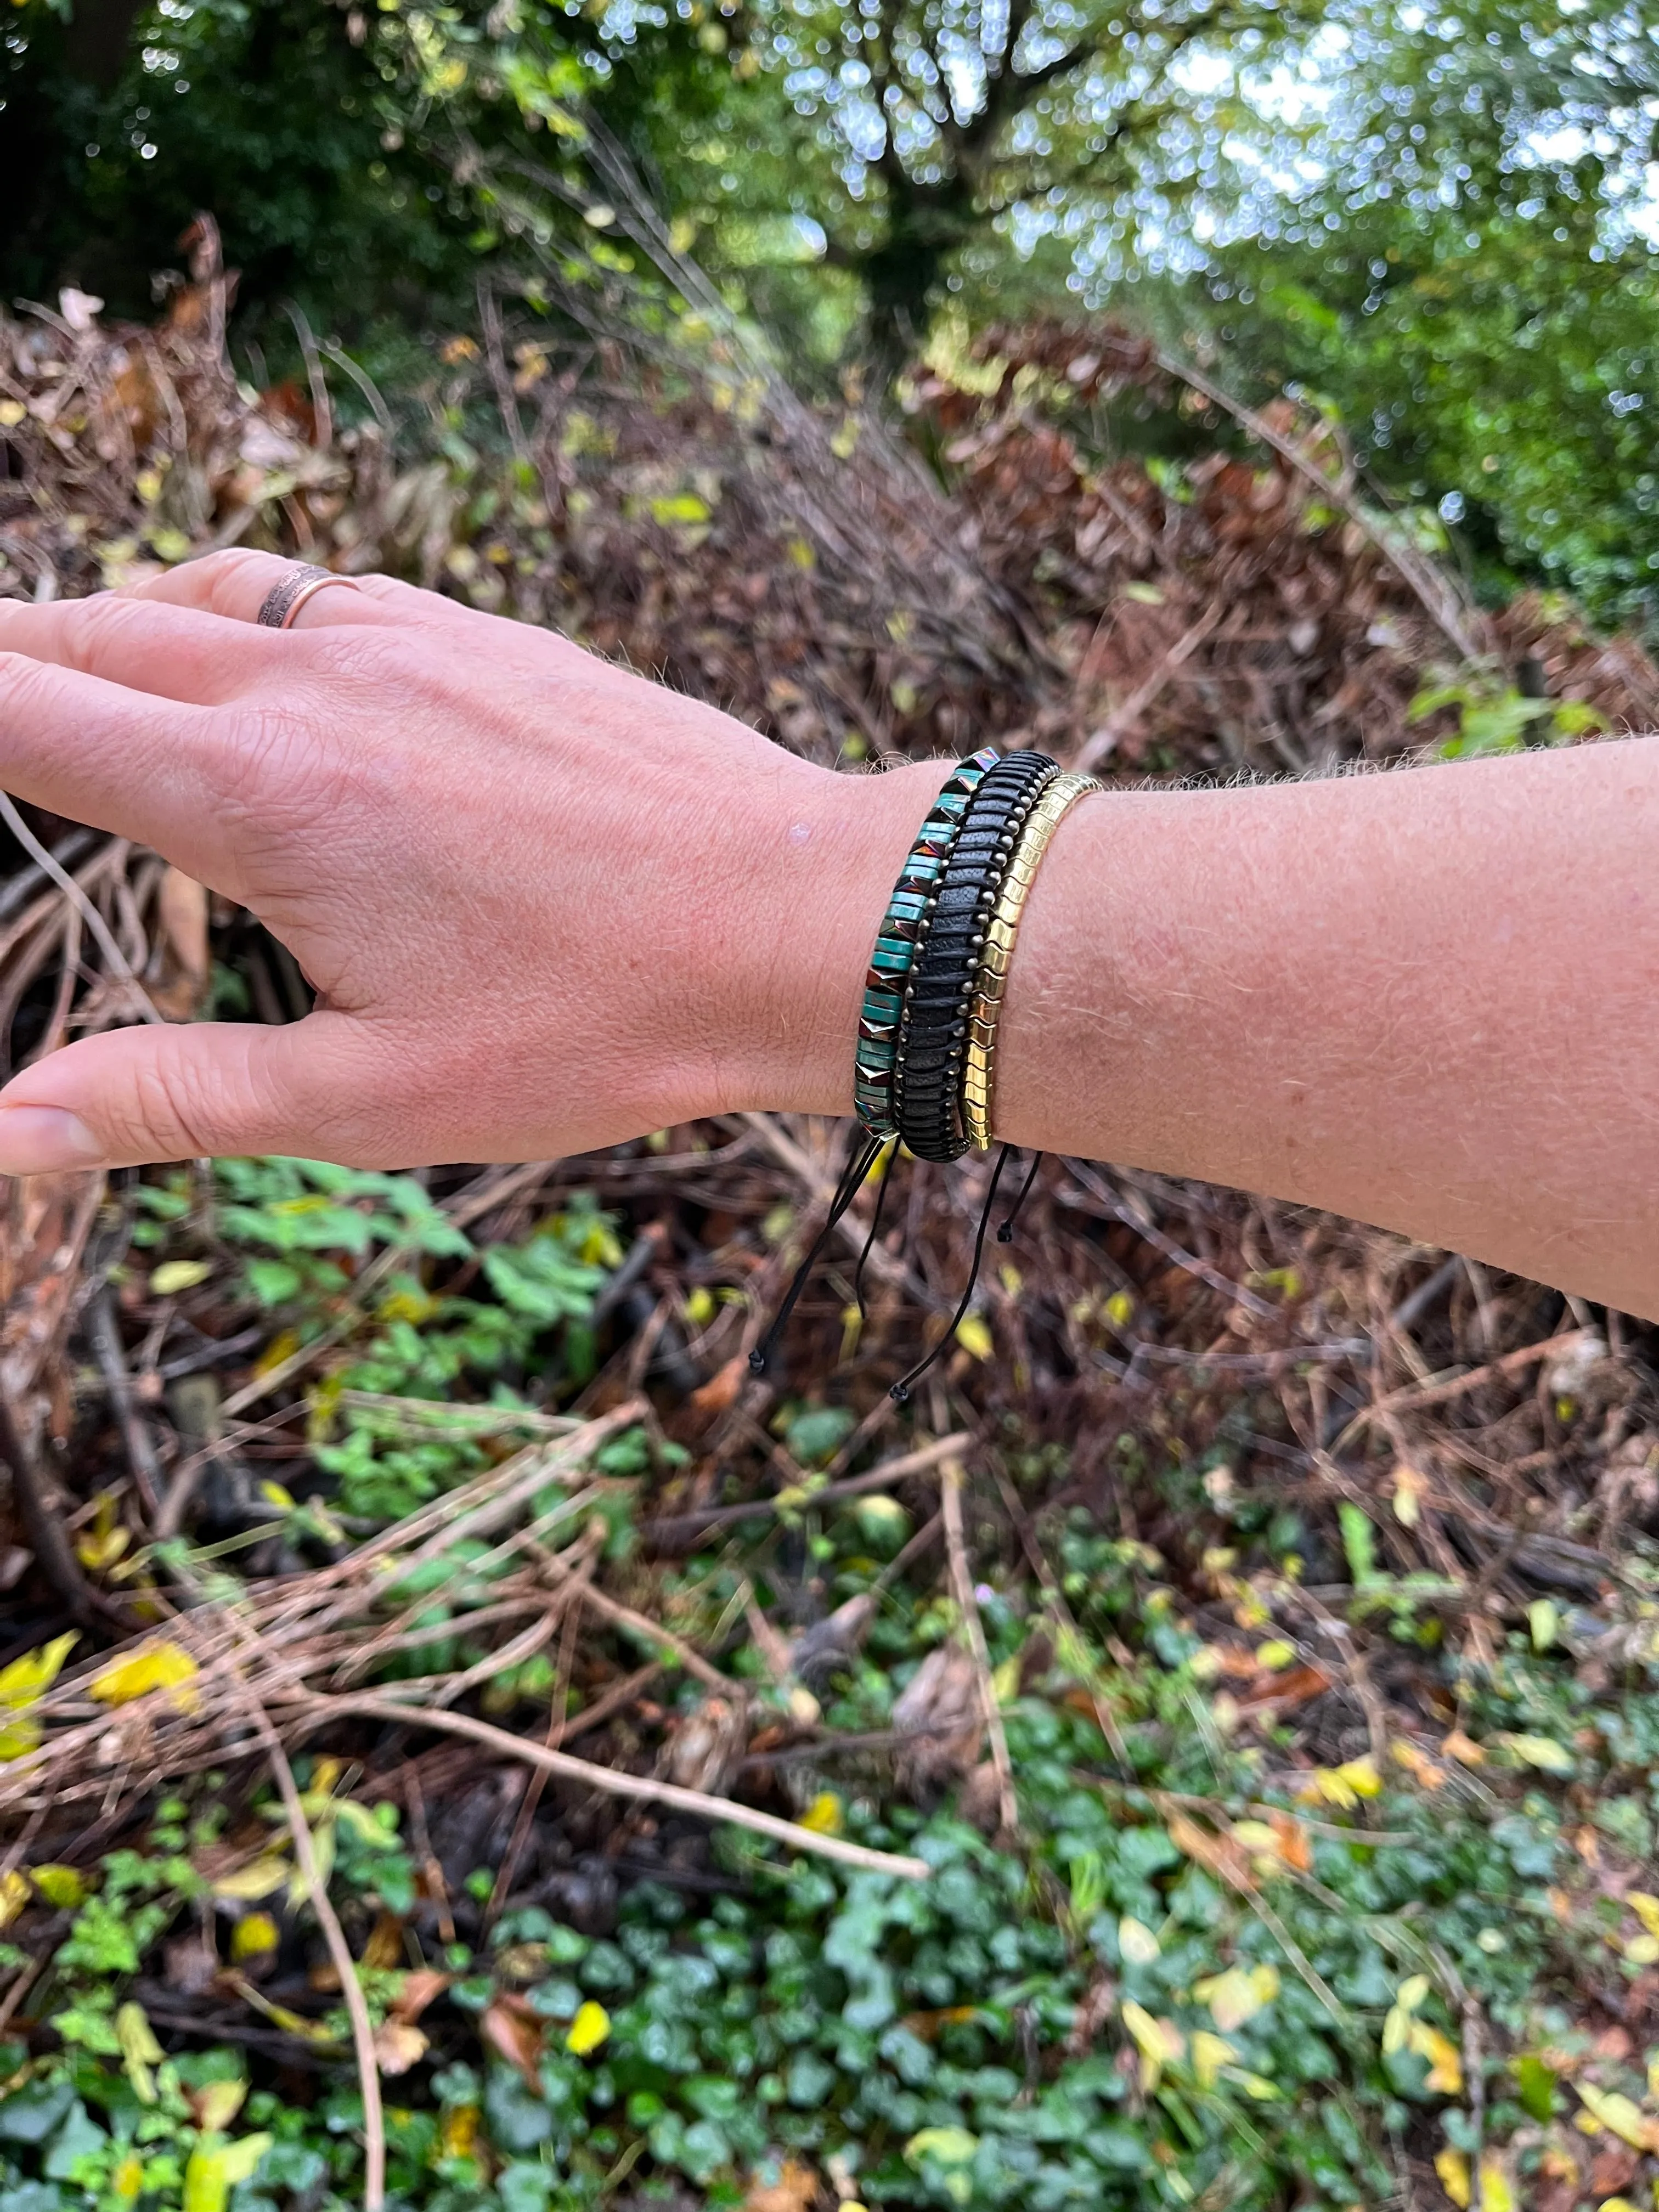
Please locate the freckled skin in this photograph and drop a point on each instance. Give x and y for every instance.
(553, 905)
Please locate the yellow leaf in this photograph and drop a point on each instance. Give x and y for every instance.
(460, 2131)
(589, 2029)
(1417, 1764)
(1238, 1995)
(216, 2167)
(12, 412)
(824, 1816)
(249, 1885)
(282, 1347)
(1397, 2026)
(14, 1894)
(1136, 1941)
(1643, 1950)
(1497, 2189)
(154, 1667)
(1461, 1748)
(1409, 1490)
(1653, 2077)
(139, 2050)
(1118, 1308)
(60, 1885)
(127, 2179)
(1453, 2169)
(19, 1737)
(1618, 2204)
(1210, 2054)
(254, 1936)
(1540, 1751)
(1646, 1909)
(34, 1674)
(1275, 1655)
(1620, 2115)
(1159, 2041)
(218, 2106)
(973, 1335)
(944, 2146)
(1445, 2076)
(173, 1276)
(1342, 1786)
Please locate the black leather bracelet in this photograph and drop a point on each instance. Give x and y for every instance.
(933, 1033)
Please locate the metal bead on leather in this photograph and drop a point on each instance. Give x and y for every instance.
(933, 1024)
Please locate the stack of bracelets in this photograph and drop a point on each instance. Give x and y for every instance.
(925, 1067)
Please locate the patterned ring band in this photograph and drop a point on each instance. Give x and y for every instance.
(302, 582)
(980, 1074)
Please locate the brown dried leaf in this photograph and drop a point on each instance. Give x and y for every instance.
(510, 2028)
(795, 2189)
(1228, 1861)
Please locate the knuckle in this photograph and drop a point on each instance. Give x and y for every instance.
(171, 1108)
(270, 767)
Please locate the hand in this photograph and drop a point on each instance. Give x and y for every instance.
(547, 905)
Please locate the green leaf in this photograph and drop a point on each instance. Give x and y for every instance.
(1535, 2082)
(1359, 1543)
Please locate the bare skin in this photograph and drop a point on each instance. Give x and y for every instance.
(551, 906)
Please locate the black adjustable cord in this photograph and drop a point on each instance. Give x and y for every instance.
(900, 1390)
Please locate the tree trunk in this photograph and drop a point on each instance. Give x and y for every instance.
(51, 95)
(95, 41)
(926, 224)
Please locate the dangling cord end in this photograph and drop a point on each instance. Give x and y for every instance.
(875, 1231)
(1005, 1233)
(858, 1166)
(900, 1392)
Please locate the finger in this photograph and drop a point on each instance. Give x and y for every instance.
(238, 582)
(169, 652)
(193, 1089)
(113, 759)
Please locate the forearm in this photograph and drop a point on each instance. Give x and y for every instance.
(1424, 999)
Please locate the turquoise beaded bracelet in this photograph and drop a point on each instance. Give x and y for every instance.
(903, 929)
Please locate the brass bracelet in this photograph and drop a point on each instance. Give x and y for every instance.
(991, 981)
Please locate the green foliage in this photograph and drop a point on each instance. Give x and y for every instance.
(1494, 718)
(1102, 2018)
(299, 1234)
(1468, 281)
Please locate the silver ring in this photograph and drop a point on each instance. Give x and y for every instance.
(302, 582)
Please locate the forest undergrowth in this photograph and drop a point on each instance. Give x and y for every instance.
(467, 1743)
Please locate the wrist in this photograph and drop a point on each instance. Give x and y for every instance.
(826, 851)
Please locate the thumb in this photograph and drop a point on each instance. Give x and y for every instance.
(191, 1091)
